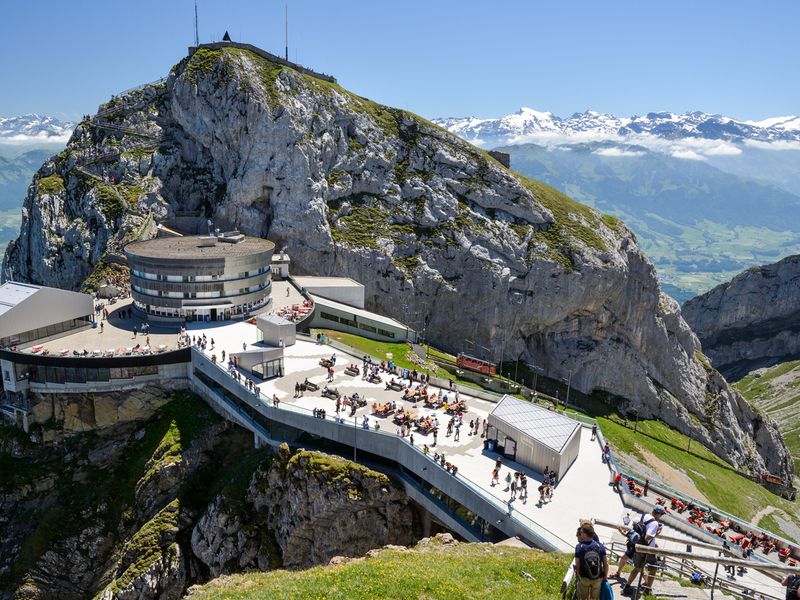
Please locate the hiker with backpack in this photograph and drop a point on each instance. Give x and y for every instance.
(644, 532)
(792, 584)
(591, 563)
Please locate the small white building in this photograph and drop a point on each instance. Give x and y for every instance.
(534, 436)
(275, 331)
(30, 313)
(330, 314)
(341, 289)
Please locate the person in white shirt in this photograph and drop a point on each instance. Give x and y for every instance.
(651, 528)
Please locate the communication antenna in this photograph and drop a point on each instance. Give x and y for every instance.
(196, 36)
(286, 49)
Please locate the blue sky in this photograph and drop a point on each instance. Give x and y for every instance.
(437, 58)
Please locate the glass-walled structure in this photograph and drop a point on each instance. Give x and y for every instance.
(201, 278)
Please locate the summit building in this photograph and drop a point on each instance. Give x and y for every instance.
(201, 278)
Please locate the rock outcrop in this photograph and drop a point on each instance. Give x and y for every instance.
(141, 511)
(752, 321)
(314, 506)
(432, 226)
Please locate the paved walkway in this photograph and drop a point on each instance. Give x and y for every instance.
(583, 490)
(117, 332)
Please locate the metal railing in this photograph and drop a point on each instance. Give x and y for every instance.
(667, 567)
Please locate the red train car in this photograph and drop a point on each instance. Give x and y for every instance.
(464, 361)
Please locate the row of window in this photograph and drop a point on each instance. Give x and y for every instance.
(46, 331)
(351, 323)
(199, 278)
(188, 295)
(38, 374)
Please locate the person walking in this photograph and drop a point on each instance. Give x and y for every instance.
(646, 487)
(594, 431)
(647, 528)
(509, 479)
(513, 489)
(591, 563)
(457, 436)
(495, 477)
(485, 428)
(435, 435)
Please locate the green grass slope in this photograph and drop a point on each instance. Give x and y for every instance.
(776, 391)
(653, 449)
(464, 571)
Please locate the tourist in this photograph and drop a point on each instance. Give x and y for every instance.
(591, 563)
(275, 400)
(542, 493)
(425, 449)
(523, 482)
(457, 436)
(411, 439)
(297, 389)
(485, 428)
(435, 435)
(101, 327)
(509, 479)
(647, 528)
(244, 345)
(606, 454)
(791, 583)
(513, 489)
(594, 431)
(617, 480)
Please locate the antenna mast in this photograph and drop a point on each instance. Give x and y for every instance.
(286, 8)
(196, 36)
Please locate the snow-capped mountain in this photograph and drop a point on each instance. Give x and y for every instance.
(34, 128)
(529, 125)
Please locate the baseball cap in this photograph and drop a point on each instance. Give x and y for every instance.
(659, 510)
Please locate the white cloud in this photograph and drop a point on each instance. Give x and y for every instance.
(776, 145)
(617, 152)
(687, 155)
(21, 139)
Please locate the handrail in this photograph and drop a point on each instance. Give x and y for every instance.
(535, 530)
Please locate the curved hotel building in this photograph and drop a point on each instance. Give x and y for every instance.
(201, 278)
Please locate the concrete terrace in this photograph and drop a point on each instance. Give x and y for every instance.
(582, 492)
(587, 477)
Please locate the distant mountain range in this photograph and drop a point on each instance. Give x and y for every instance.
(34, 129)
(707, 195)
(529, 125)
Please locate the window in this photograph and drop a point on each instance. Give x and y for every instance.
(388, 334)
(329, 317)
(367, 328)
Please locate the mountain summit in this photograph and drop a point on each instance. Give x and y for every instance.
(440, 234)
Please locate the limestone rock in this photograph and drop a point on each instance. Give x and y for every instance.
(321, 506)
(752, 321)
(429, 224)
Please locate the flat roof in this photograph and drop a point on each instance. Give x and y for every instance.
(12, 293)
(274, 319)
(546, 426)
(190, 246)
(358, 312)
(310, 281)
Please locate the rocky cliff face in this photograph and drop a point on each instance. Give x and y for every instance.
(142, 510)
(432, 226)
(752, 321)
